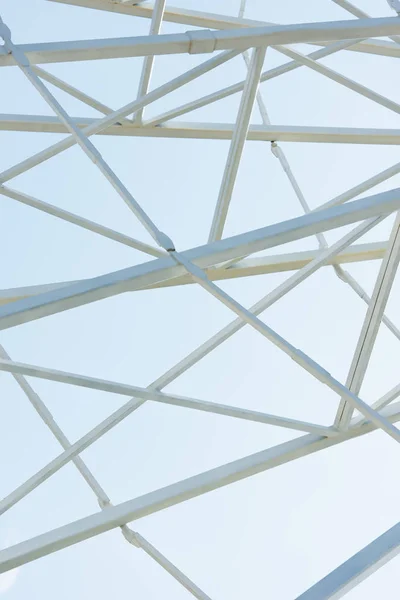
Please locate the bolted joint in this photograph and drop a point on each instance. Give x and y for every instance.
(130, 536)
(274, 149)
(164, 241)
(340, 273)
(104, 503)
(201, 41)
(18, 55)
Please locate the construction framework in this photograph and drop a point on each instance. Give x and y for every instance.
(221, 38)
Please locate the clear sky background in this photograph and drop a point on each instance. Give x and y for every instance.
(270, 536)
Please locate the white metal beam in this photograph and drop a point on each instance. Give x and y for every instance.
(341, 79)
(357, 568)
(371, 323)
(69, 217)
(137, 508)
(193, 130)
(155, 27)
(208, 20)
(72, 91)
(379, 404)
(170, 568)
(161, 269)
(276, 263)
(196, 42)
(361, 14)
(237, 144)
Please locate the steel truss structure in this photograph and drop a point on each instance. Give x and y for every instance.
(221, 38)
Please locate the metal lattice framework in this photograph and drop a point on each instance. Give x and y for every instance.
(222, 38)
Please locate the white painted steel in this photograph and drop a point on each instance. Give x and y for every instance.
(182, 43)
(153, 272)
(223, 37)
(355, 570)
(212, 21)
(248, 267)
(185, 130)
(178, 492)
(237, 144)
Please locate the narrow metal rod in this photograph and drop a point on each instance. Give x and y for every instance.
(170, 568)
(379, 404)
(371, 323)
(361, 14)
(155, 27)
(362, 187)
(341, 79)
(65, 215)
(237, 144)
(357, 568)
(72, 91)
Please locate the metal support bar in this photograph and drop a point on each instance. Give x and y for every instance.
(341, 79)
(184, 130)
(379, 404)
(237, 144)
(371, 323)
(155, 27)
(357, 568)
(72, 91)
(182, 43)
(248, 267)
(361, 14)
(69, 217)
(161, 269)
(203, 483)
(195, 18)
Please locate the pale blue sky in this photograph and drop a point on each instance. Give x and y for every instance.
(270, 536)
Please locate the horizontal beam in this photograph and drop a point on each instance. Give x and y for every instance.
(355, 570)
(247, 267)
(208, 20)
(162, 269)
(123, 389)
(200, 42)
(209, 131)
(176, 493)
